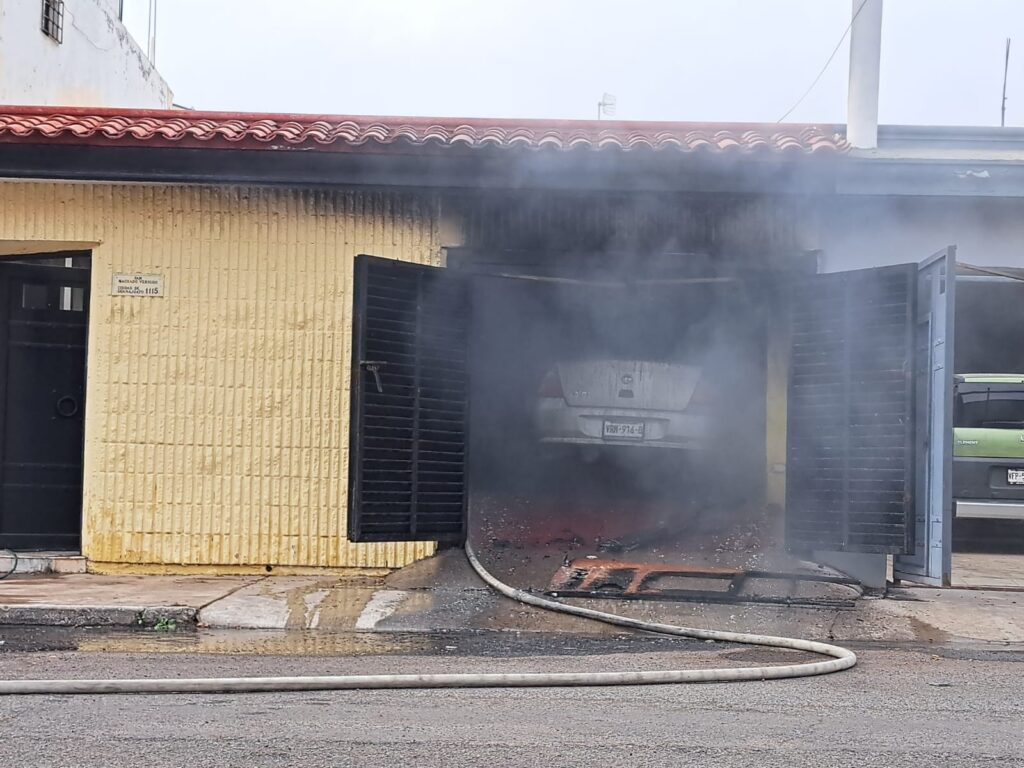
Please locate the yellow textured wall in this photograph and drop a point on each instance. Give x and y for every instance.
(217, 417)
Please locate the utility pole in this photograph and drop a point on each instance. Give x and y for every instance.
(1006, 71)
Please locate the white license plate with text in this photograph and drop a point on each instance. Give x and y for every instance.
(1015, 476)
(625, 430)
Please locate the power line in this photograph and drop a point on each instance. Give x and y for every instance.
(827, 62)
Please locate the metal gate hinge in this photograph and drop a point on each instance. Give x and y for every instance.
(374, 366)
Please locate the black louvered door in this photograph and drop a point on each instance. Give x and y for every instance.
(407, 461)
(850, 433)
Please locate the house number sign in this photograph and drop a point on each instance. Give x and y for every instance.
(137, 285)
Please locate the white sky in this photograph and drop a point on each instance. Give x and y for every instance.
(715, 60)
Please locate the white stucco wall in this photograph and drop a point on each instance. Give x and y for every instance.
(98, 64)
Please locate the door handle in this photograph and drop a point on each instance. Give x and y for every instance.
(374, 366)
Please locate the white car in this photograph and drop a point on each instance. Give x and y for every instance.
(624, 402)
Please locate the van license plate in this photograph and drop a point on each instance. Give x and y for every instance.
(631, 430)
(1015, 476)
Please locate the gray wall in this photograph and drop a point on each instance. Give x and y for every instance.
(866, 232)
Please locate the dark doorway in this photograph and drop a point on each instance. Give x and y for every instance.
(581, 332)
(44, 310)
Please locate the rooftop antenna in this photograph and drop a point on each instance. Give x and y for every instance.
(1006, 70)
(606, 106)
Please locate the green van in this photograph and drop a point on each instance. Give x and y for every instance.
(988, 445)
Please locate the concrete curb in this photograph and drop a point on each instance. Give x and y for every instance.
(95, 615)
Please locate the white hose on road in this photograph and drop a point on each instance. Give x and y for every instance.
(840, 659)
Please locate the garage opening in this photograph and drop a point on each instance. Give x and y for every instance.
(618, 405)
(588, 404)
(988, 462)
(44, 310)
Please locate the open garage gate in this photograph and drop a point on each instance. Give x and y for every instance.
(869, 414)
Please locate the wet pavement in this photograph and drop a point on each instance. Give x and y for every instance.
(443, 594)
(188, 640)
(524, 540)
(16, 640)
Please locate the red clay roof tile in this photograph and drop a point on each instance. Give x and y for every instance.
(222, 130)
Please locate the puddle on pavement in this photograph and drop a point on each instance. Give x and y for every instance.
(496, 644)
(927, 632)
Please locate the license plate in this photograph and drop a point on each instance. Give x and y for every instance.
(1015, 476)
(628, 430)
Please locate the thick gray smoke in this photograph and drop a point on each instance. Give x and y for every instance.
(627, 271)
(620, 304)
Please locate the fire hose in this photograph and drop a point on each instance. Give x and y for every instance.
(840, 659)
(13, 556)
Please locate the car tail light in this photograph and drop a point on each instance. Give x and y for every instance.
(703, 394)
(551, 385)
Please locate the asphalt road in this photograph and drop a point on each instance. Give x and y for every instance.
(924, 707)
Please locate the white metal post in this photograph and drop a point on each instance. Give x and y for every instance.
(865, 59)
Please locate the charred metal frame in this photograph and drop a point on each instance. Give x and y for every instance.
(604, 579)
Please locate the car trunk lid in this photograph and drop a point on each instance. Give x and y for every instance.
(628, 384)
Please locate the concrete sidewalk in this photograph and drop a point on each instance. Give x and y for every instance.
(443, 594)
(83, 599)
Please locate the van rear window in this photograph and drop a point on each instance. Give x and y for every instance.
(990, 409)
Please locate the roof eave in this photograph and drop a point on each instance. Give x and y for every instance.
(419, 166)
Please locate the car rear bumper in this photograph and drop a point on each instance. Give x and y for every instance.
(559, 422)
(991, 510)
(984, 479)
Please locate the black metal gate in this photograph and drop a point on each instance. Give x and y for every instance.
(43, 320)
(851, 421)
(850, 434)
(407, 460)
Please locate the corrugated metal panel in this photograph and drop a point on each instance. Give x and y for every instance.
(217, 417)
